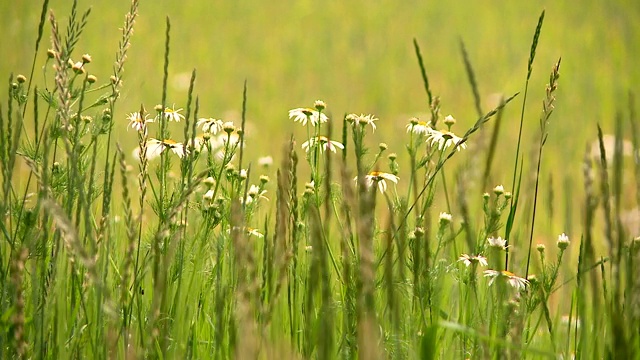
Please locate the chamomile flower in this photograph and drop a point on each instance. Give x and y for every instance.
(497, 242)
(324, 143)
(208, 196)
(233, 139)
(362, 120)
(171, 114)
(249, 231)
(563, 241)
(467, 260)
(210, 125)
(445, 218)
(418, 127)
(153, 150)
(516, 282)
(265, 161)
(155, 147)
(254, 193)
(302, 115)
(137, 122)
(254, 232)
(378, 177)
(444, 139)
(198, 143)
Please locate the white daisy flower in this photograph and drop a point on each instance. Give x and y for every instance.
(248, 231)
(254, 232)
(210, 125)
(498, 242)
(254, 193)
(362, 120)
(302, 115)
(173, 115)
(208, 195)
(155, 147)
(197, 143)
(445, 217)
(563, 241)
(470, 259)
(137, 122)
(516, 282)
(324, 143)
(444, 139)
(418, 127)
(153, 150)
(265, 161)
(378, 177)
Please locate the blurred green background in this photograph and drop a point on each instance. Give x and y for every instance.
(358, 56)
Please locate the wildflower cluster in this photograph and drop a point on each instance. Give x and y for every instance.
(442, 139)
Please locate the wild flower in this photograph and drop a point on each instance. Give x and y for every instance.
(255, 193)
(265, 161)
(418, 127)
(254, 232)
(197, 144)
(362, 120)
(449, 121)
(444, 139)
(563, 241)
(516, 282)
(228, 127)
(497, 242)
(210, 125)
(445, 218)
(498, 190)
(467, 260)
(137, 122)
(324, 143)
(378, 177)
(250, 231)
(208, 195)
(171, 114)
(302, 115)
(155, 147)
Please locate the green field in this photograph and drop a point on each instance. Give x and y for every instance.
(114, 257)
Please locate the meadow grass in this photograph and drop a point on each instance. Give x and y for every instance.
(187, 245)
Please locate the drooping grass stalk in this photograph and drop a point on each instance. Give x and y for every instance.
(517, 160)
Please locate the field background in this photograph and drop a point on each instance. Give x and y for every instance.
(358, 57)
